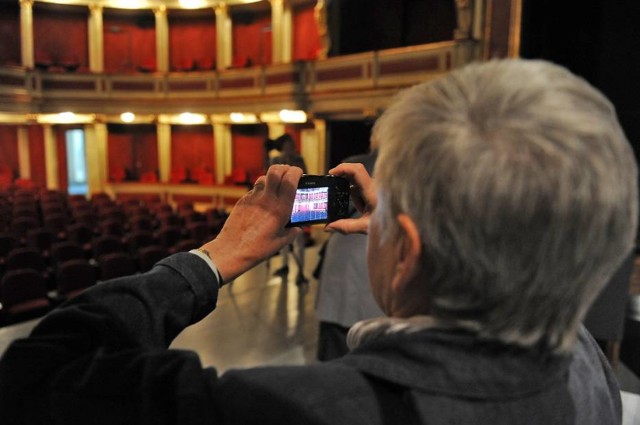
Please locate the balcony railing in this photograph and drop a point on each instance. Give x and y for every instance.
(367, 71)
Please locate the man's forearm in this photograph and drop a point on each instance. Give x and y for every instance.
(107, 344)
(156, 306)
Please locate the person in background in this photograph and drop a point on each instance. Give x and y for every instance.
(289, 156)
(344, 296)
(505, 198)
(288, 153)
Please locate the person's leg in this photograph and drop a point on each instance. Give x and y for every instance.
(332, 341)
(299, 245)
(284, 269)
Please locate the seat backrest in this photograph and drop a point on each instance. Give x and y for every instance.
(169, 236)
(22, 285)
(115, 265)
(150, 255)
(75, 274)
(25, 258)
(80, 233)
(107, 245)
(140, 239)
(65, 251)
(112, 227)
(187, 245)
(200, 231)
(141, 223)
(7, 243)
(87, 217)
(168, 219)
(40, 239)
(21, 225)
(56, 222)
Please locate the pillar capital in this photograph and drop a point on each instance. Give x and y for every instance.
(95, 8)
(221, 9)
(26, 3)
(160, 11)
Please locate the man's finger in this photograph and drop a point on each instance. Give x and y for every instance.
(260, 183)
(289, 183)
(274, 178)
(349, 226)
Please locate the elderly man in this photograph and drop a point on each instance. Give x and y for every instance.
(505, 197)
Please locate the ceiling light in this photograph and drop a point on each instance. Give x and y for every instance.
(241, 118)
(190, 118)
(127, 117)
(287, 115)
(193, 4)
(65, 118)
(284, 116)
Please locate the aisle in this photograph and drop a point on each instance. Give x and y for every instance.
(260, 319)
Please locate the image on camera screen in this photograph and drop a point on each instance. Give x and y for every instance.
(310, 204)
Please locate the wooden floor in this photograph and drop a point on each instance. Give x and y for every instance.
(260, 319)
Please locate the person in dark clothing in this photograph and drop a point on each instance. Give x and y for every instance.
(344, 297)
(505, 196)
(288, 154)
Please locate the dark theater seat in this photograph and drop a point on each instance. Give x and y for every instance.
(23, 294)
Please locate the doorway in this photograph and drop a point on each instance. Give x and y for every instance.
(76, 162)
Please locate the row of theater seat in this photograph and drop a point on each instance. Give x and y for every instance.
(90, 241)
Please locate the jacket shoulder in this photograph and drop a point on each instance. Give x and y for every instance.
(326, 393)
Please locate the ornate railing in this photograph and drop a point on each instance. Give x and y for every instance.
(291, 83)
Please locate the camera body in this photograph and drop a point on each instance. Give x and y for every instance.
(320, 199)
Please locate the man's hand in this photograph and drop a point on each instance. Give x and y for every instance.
(363, 195)
(256, 228)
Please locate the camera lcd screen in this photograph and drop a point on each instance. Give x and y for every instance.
(311, 204)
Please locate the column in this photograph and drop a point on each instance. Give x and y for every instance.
(162, 38)
(51, 158)
(26, 33)
(320, 15)
(320, 128)
(501, 41)
(223, 146)
(96, 38)
(96, 155)
(224, 37)
(281, 27)
(469, 32)
(24, 157)
(164, 151)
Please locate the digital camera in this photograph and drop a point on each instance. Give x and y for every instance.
(320, 199)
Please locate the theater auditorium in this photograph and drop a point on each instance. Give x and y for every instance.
(129, 129)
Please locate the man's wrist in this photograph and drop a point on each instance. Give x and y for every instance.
(206, 256)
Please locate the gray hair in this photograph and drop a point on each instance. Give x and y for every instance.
(524, 189)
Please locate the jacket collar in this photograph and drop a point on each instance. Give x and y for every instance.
(455, 362)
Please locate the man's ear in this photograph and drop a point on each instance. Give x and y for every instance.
(408, 251)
